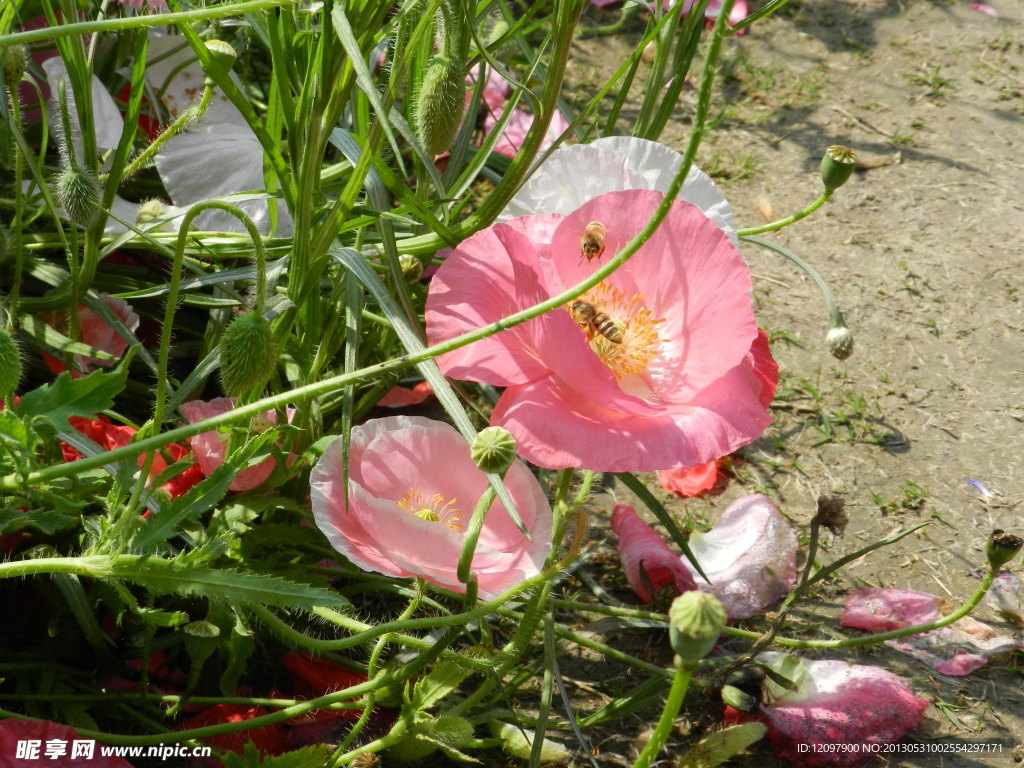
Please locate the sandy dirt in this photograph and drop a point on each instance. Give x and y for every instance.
(923, 250)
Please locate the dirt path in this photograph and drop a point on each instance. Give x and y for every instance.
(923, 251)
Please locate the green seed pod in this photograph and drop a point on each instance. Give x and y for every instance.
(10, 364)
(411, 749)
(200, 640)
(78, 193)
(440, 103)
(14, 59)
(223, 57)
(1001, 548)
(452, 731)
(837, 166)
(494, 450)
(248, 355)
(695, 620)
(412, 267)
(840, 342)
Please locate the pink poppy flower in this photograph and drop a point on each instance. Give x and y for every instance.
(689, 481)
(749, 556)
(679, 388)
(836, 705)
(412, 488)
(94, 331)
(518, 126)
(211, 447)
(956, 649)
(642, 549)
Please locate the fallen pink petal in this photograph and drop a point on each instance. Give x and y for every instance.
(749, 556)
(985, 8)
(646, 558)
(836, 705)
(957, 649)
(411, 491)
(689, 481)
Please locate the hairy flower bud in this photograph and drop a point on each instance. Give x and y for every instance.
(10, 363)
(78, 193)
(695, 621)
(840, 342)
(1002, 547)
(440, 103)
(494, 449)
(837, 166)
(13, 58)
(149, 210)
(222, 57)
(248, 355)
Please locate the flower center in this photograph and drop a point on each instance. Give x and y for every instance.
(433, 508)
(638, 326)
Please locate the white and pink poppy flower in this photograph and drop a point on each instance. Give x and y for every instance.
(412, 487)
(571, 176)
(749, 556)
(646, 558)
(96, 332)
(210, 448)
(680, 388)
(836, 705)
(956, 649)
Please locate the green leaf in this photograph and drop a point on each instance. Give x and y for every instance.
(444, 678)
(55, 342)
(715, 749)
(55, 403)
(182, 577)
(46, 521)
(314, 756)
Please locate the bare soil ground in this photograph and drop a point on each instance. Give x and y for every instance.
(923, 251)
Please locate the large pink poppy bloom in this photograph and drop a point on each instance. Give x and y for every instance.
(836, 706)
(411, 491)
(749, 556)
(210, 448)
(679, 389)
(956, 649)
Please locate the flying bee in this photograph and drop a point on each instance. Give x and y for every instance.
(592, 242)
(587, 317)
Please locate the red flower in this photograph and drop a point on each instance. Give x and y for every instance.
(43, 742)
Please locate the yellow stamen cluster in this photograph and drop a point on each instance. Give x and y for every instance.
(433, 508)
(640, 340)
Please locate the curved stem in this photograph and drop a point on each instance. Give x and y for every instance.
(680, 684)
(776, 225)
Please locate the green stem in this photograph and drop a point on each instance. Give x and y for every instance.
(680, 683)
(776, 225)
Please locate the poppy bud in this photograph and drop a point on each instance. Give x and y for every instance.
(840, 342)
(10, 363)
(149, 210)
(494, 450)
(452, 731)
(200, 640)
(1002, 547)
(440, 103)
(222, 57)
(413, 748)
(695, 621)
(78, 193)
(837, 166)
(13, 58)
(248, 355)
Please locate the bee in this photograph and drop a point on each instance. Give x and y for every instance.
(587, 317)
(592, 242)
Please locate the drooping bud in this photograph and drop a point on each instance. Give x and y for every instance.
(494, 450)
(837, 166)
(440, 103)
(695, 621)
(412, 267)
(14, 59)
(1002, 547)
(10, 363)
(832, 514)
(248, 355)
(78, 193)
(222, 57)
(200, 640)
(840, 342)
